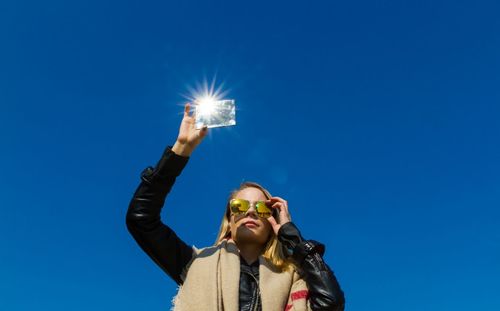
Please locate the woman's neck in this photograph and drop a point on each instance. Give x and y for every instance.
(250, 252)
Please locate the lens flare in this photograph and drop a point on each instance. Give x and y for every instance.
(210, 108)
(206, 93)
(205, 106)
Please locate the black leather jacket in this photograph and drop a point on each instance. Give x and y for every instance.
(172, 254)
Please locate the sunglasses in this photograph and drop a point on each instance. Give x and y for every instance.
(241, 206)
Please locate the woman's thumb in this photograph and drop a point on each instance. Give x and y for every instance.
(203, 131)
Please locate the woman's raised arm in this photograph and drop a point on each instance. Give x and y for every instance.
(143, 216)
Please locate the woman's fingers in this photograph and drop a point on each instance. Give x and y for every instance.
(203, 131)
(278, 199)
(187, 108)
(189, 137)
(190, 112)
(189, 121)
(278, 202)
(282, 206)
(193, 115)
(272, 221)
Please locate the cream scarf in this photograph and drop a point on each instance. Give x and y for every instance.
(212, 280)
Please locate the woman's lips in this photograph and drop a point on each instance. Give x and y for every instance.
(250, 223)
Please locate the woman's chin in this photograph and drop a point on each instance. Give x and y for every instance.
(248, 230)
(249, 235)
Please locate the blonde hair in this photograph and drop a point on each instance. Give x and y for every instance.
(273, 250)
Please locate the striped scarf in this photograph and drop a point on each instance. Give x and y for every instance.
(211, 282)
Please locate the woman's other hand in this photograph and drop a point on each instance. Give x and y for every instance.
(189, 137)
(284, 215)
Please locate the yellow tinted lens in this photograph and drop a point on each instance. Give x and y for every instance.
(262, 209)
(239, 206)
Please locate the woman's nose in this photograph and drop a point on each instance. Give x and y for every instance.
(251, 211)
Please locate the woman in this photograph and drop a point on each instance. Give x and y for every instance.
(260, 260)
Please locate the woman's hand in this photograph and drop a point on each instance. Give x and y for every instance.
(189, 137)
(284, 215)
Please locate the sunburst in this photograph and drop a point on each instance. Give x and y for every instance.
(211, 109)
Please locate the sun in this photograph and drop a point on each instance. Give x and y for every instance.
(205, 106)
(205, 94)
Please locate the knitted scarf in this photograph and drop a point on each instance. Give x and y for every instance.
(211, 282)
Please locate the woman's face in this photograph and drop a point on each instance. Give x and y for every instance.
(250, 228)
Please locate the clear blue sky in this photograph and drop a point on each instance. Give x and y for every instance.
(378, 121)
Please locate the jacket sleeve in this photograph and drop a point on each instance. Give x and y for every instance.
(143, 216)
(324, 290)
